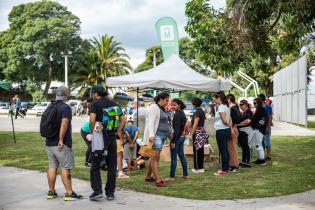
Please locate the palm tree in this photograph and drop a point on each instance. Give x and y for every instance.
(86, 72)
(113, 59)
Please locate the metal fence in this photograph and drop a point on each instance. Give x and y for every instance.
(290, 89)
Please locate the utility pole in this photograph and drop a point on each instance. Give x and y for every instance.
(66, 66)
(154, 56)
(66, 70)
(154, 59)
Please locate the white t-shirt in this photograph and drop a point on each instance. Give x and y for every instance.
(218, 124)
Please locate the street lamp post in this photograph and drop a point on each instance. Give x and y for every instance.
(66, 66)
(154, 59)
(154, 56)
(66, 70)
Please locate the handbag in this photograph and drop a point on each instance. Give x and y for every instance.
(97, 138)
(148, 151)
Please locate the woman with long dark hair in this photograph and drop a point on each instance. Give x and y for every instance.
(244, 125)
(259, 123)
(177, 142)
(222, 124)
(156, 131)
(232, 147)
(199, 135)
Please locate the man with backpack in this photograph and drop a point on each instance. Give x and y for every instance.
(108, 115)
(267, 136)
(55, 126)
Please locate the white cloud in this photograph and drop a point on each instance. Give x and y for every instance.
(131, 22)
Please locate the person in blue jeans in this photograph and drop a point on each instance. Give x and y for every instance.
(177, 142)
(266, 141)
(222, 124)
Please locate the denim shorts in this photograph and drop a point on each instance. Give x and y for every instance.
(158, 142)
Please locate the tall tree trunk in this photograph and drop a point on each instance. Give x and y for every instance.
(269, 88)
(50, 71)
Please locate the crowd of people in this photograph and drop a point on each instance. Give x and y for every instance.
(110, 139)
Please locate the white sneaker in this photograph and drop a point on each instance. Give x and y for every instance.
(195, 171)
(123, 176)
(201, 170)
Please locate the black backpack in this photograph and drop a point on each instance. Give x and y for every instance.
(49, 127)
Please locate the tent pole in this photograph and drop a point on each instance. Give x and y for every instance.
(137, 107)
(11, 113)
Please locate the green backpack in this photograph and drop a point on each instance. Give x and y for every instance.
(110, 118)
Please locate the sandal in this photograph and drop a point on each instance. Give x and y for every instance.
(149, 179)
(160, 184)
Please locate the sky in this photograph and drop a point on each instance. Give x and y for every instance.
(131, 22)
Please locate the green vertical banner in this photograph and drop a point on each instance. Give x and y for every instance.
(167, 32)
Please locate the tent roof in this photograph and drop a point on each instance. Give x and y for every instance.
(4, 86)
(171, 74)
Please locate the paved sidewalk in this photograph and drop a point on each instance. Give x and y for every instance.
(24, 189)
(287, 129)
(31, 124)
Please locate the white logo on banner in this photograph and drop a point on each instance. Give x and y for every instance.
(167, 33)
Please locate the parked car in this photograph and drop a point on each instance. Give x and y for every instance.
(38, 109)
(4, 105)
(4, 108)
(52, 90)
(146, 97)
(188, 110)
(76, 106)
(123, 96)
(25, 106)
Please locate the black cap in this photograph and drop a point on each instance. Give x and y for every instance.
(98, 89)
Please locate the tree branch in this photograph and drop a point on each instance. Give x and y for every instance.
(242, 16)
(276, 21)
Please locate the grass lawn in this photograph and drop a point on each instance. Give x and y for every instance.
(291, 171)
(311, 125)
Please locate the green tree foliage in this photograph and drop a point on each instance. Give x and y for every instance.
(36, 92)
(112, 57)
(31, 48)
(96, 60)
(84, 69)
(249, 35)
(149, 60)
(213, 37)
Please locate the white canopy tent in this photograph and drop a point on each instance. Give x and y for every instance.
(171, 74)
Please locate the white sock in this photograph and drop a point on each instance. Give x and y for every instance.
(261, 155)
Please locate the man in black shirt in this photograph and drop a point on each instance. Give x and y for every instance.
(96, 114)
